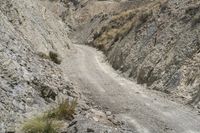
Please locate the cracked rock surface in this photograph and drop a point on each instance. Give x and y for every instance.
(160, 48)
(31, 81)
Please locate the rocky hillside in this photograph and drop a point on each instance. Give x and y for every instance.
(33, 43)
(156, 44)
(30, 79)
(153, 42)
(89, 15)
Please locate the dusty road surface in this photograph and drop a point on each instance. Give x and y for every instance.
(145, 112)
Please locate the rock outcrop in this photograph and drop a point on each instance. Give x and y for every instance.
(156, 44)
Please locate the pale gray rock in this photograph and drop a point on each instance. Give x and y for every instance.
(28, 83)
(162, 52)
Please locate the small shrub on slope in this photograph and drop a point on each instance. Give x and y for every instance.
(65, 110)
(41, 125)
(52, 56)
(55, 57)
(49, 122)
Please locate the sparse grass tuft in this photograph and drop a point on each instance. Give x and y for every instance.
(55, 57)
(41, 124)
(50, 122)
(43, 55)
(65, 110)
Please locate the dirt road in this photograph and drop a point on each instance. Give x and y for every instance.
(144, 111)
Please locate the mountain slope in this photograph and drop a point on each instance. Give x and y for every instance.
(30, 81)
(34, 45)
(156, 43)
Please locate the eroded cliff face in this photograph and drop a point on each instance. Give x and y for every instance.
(156, 44)
(29, 81)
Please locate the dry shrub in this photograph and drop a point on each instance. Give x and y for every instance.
(43, 55)
(55, 57)
(41, 124)
(50, 122)
(65, 110)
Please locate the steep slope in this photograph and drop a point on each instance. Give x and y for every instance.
(34, 45)
(90, 15)
(157, 44)
(37, 24)
(29, 82)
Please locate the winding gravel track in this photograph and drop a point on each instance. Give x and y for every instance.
(145, 112)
